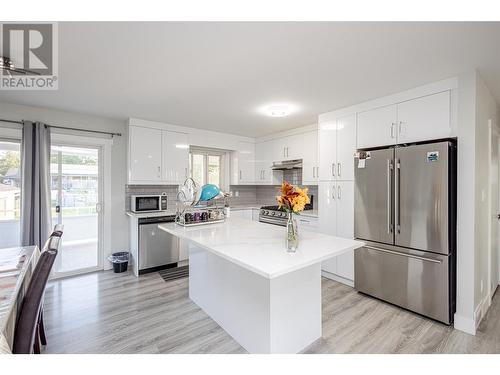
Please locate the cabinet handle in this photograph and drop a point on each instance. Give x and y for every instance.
(287, 155)
(338, 169)
(392, 130)
(240, 174)
(314, 172)
(317, 172)
(186, 172)
(333, 169)
(338, 192)
(284, 151)
(159, 172)
(400, 127)
(333, 192)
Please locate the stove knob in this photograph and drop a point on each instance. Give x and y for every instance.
(273, 213)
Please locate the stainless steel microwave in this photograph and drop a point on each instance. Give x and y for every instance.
(148, 203)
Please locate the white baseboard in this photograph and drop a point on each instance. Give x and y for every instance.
(482, 309)
(464, 324)
(337, 278)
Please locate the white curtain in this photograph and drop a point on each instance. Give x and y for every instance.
(35, 184)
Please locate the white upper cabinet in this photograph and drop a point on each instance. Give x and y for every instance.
(337, 145)
(376, 127)
(327, 140)
(175, 160)
(421, 119)
(288, 148)
(157, 156)
(310, 168)
(346, 147)
(425, 118)
(244, 161)
(145, 155)
(264, 174)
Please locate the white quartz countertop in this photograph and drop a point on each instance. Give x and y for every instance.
(141, 215)
(260, 247)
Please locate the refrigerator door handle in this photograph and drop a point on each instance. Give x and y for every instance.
(398, 194)
(389, 172)
(404, 254)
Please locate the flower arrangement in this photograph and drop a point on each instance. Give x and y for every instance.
(292, 199)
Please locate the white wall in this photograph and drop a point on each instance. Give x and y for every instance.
(476, 106)
(464, 316)
(119, 224)
(486, 110)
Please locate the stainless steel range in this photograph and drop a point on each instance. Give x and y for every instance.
(272, 215)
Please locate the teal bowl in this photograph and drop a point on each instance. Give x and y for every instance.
(209, 191)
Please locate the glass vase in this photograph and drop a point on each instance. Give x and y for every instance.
(292, 235)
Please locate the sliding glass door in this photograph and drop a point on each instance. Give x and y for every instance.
(10, 192)
(75, 197)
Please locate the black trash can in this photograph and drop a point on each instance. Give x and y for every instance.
(120, 261)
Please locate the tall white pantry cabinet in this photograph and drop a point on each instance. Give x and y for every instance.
(337, 145)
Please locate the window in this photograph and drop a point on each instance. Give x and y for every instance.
(207, 166)
(10, 192)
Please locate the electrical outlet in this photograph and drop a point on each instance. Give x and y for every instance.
(237, 194)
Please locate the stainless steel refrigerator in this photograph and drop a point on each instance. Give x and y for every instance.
(405, 211)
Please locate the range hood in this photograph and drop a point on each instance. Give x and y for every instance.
(287, 164)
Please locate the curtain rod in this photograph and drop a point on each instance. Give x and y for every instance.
(68, 128)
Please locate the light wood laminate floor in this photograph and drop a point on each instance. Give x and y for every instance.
(106, 312)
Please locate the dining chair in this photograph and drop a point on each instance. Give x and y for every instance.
(27, 333)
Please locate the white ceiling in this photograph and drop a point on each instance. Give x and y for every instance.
(217, 75)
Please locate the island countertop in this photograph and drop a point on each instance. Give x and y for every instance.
(260, 247)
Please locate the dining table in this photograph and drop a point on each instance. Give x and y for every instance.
(16, 267)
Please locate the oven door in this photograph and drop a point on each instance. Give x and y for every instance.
(147, 203)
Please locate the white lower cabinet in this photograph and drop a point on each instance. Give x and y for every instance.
(246, 213)
(307, 223)
(336, 217)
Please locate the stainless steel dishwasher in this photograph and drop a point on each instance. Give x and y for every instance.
(157, 248)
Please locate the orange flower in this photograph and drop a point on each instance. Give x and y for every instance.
(292, 198)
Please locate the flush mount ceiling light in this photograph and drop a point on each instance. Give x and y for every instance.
(278, 110)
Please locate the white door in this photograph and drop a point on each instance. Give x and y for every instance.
(376, 127)
(279, 149)
(294, 147)
(310, 158)
(263, 162)
(175, 158)
(327, 202)
(327, 141)
(346, 147)
(246, 162)
(76, 191)
(424, 118)
(345, 226)
(145, 155)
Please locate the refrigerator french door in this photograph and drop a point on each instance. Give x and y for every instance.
(405, 212)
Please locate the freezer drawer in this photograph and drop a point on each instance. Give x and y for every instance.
(415, 280)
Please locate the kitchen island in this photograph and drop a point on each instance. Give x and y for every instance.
(240, 274)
